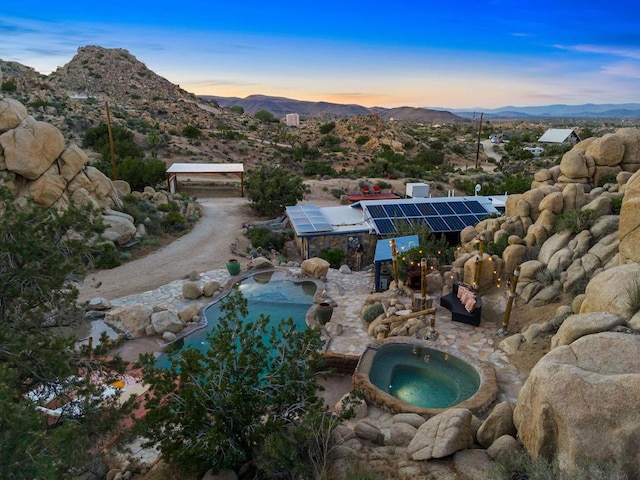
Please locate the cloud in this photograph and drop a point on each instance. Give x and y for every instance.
(601, 50)
(623, 69)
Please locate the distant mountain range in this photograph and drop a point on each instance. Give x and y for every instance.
(587, 110)
(280, 106)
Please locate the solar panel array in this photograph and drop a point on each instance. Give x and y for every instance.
(308, 219)
(449, 216)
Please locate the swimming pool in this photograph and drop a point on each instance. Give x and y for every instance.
(407, 375)
(267, 293)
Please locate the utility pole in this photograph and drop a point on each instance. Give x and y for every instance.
(479, 134)
(112, 145)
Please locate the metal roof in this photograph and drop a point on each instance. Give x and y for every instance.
(206, 168)
(556, 135)
(309, 220)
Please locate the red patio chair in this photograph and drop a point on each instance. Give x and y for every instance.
(377, 189)
(365, 190)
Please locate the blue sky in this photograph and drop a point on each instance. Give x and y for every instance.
(457, 54)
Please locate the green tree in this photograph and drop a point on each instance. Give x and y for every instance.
(39, 262)
(265, 116)
(237, 109)
(215, 409)
(97, 138)
(327, 127)
(271, 188)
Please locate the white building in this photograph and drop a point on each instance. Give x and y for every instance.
(560, 135)
(292, 120)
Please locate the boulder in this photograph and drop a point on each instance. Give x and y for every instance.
(187, 313)
(607, 150)
(442, 435)
(555, 242)
(612, 290)
(498, 423)
(71, 162)
(579, 403)
(315, 268)
(12, 113)
(473, 464)
(553, 202)
(166, 321)
(573, 164)
(31, 148)
(513, 256)
(412, 419)
(119, 229)
(211, 287)
(48, 188)
(630, 221)
(573, 197)
(368, 431)
(577, 326)
(259, 263)
(504, 445)
(191, 290)
(401, 434)
(133, 319)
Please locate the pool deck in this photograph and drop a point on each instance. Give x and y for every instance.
(349, 292)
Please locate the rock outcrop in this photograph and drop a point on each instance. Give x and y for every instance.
(580, 402)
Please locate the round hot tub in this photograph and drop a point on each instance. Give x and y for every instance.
(406, 375)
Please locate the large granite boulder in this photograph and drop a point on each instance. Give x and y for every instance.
(442, 435)
(629, 230)
(12, 113)
(498, 423)
(579, 403)
(133, 319)
(612, 290)
(31, 148)
(315, 268)
(577, 326)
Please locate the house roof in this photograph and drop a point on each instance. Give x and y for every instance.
(381, 217)
(556, 135)
(206, 168)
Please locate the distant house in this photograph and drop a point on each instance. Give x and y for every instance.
(537, 151)
(566, 136)
(292, 120)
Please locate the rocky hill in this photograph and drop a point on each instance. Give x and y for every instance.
(74, 99)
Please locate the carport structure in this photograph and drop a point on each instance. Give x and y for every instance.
(204, 170)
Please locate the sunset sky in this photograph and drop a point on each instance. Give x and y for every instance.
(464, 54)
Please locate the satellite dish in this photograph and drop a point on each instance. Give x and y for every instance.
(478, 187)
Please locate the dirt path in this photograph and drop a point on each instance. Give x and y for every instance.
(207, 247)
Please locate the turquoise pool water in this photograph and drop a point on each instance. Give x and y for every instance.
(423, 377)
(275, 298)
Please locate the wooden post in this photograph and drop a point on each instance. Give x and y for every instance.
(394, 261)
(423, 282)
(510, 296)
(112, 145)
(478, 147)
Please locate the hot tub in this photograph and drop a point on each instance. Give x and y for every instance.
(405, 375)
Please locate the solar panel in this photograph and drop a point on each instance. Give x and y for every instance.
(459, 207)
(410, 210)
(443, 208)
(308, 219)
(437, 224)
(439, 216)
(376, 211)
(394, 210)
(384, 225)
(454, 222)
(476, 207)
(468, 220)
(426, 209)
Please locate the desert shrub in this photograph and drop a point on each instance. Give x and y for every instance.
(616, 205)
(105, 256)
(547, 276)
(265, 238)
(576, 221)
(338, 192)
(174, 222)
(332, 255)
(143, 212)
(578, 287)
(633, 295)
(317, 167)
(9, 85)
(558, 320)
(372, 312)
(191, 131)
(497, 248)
(362, 139)
(520, 465)
(327, 127)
